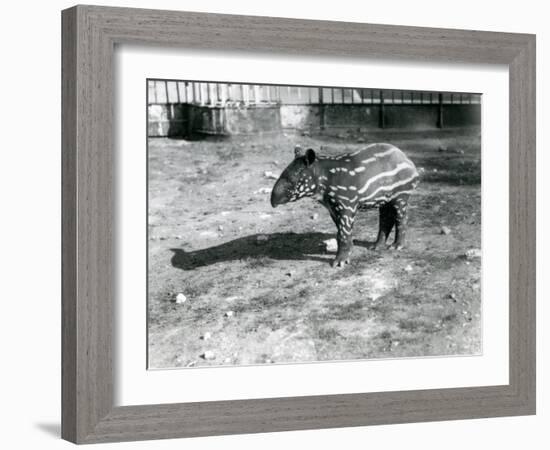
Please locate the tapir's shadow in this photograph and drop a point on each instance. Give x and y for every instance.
(279, 246)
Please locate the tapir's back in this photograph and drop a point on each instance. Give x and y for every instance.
(373, 175)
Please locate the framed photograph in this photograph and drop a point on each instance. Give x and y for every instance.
(267, 229)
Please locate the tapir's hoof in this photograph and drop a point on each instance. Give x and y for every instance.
(377, 246)
(339, 262)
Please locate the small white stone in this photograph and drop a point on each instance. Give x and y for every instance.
(181, 298)
(227, 360)
(473, 253)
(270, 174)
(262, 238)
(229, 314)
(408, 268)
(331, 245)
(220, 228)
(209, 354)
(315, 216)
(206, 336)
(264, 190)
(445, 230)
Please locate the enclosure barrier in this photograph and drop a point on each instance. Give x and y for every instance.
(182, 108)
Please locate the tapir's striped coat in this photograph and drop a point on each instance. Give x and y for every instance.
(377, 176)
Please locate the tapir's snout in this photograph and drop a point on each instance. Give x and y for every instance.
(279, 193)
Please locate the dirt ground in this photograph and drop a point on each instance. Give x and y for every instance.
(258, 283)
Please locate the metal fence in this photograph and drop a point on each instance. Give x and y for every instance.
(166, 92)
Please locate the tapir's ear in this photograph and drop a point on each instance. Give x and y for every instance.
(310, 156)
(298, 151)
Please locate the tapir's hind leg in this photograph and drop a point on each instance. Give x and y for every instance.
(401, 218)
(386, 223)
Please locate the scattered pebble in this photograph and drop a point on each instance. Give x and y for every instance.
(262, 238)
(271, 175)
(220, 228)
(445, 230)
(288, 274)
(452, 296)
(181, 298)
(208, 354)
(264, 190)
(315, 216)
(360, 139)
(408, 268)
(229, 314)
(473, 253)
(331, 245)
(178, 237)
(206, 336)
(442, 148)
(227, 360)
(191, 364)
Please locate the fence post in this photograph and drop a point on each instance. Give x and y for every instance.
(440, 111)
(382, 112)
(321, 110)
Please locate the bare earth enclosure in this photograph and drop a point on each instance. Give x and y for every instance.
(233, 281)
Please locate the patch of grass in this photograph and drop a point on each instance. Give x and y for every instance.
(350, 311)
(328, 334)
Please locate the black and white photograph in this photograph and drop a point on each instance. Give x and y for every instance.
(300, 224)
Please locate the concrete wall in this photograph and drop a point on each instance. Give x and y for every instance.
(167, 120)
(185, 120)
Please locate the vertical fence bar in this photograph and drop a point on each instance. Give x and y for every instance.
(322, 118)
(155, 91)
(178, 92)
(382, 111)
(166, 91)
(440, 111)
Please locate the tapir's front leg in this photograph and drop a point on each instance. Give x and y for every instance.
(344, 223)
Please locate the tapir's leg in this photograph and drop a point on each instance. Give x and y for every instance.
(386, 223)
(344, 238)
(343, 219)
(401, 218)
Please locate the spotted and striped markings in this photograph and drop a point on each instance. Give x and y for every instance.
(358, 181)
(391, 178)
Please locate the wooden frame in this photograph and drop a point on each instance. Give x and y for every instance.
(89, 36)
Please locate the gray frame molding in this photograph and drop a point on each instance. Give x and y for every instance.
(89, 36)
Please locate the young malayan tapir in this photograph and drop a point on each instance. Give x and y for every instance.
(378, 176)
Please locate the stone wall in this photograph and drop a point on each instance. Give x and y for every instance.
(185, 120)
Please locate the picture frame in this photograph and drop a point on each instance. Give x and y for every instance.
(89, 37)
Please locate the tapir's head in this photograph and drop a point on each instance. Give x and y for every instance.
(297, 180)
